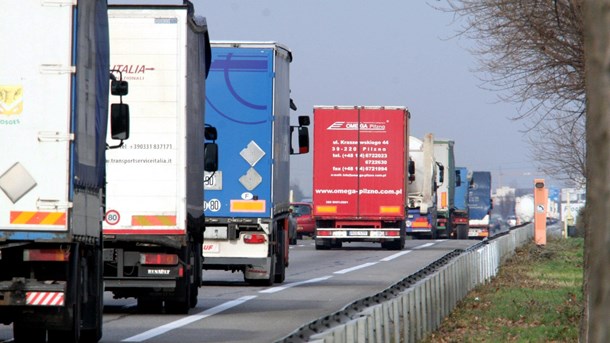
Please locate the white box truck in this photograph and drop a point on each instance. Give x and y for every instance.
(154, 223)
(54, 94)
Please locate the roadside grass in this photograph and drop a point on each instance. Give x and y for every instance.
(536, 297)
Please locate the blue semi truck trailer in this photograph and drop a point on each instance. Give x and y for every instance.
(479, 204)
(247, 200)
(461, 213)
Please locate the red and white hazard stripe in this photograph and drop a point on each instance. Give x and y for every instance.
(45, 298)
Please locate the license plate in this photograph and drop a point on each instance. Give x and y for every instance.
(358, 233)
(215, 232)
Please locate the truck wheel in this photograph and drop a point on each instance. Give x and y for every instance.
(71, 334)
(194, 296)
(280, 269)
(280, 259)
(322, 244)
(398, 244)
(93, 309)
(264, 282)
(197, 270)
(23, 333)
(462, 231)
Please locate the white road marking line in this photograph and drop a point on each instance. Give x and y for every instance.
(283, 287)
(424, 245)
(391, 257)
(187, 320)
(355, 268)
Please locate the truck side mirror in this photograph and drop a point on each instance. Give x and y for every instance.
(458, 178)
(210, 133)
(304, 121)
(411, 168)
(210, 161)
(119, 87)
(441, 173)
(119, 121)
(302, 140)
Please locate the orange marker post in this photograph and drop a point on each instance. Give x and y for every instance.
(541, 198)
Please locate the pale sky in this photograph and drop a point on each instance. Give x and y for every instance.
(391, 53)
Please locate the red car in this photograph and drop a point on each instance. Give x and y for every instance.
(306, 225)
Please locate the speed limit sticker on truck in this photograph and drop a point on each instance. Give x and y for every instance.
(113, 217)
(212, 181)
(213, 205)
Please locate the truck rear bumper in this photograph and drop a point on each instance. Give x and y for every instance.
(358, 234)
(221, 263)
(22, 292)
(110, 283)
(478, 232)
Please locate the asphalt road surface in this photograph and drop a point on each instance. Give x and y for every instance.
(317, 283)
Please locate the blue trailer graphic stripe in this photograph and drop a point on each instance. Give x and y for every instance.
(231, 118)
(240, 65)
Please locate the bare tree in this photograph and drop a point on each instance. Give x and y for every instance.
(596, 326)
(532, 51)
(562, 145)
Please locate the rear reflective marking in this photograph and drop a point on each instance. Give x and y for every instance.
(143, 220)
(44, 298)
(38, 218)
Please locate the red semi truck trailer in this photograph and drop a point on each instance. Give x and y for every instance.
(360, 175)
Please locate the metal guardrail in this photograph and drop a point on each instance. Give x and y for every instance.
(408, 310)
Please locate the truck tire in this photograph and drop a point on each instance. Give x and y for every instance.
(197, 270)
(322, 244)
(181, 303)
(280, 267)
(398, 244)
(94, 307)
(264, 282)
(280, 261)
(462, 231)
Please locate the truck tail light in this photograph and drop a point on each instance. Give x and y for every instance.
(255, 238)
(460, 220)
(393, 233)
(165, 259)
(323, 233)
(58, 255)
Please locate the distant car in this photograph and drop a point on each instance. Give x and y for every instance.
(511, 221)
(306, 225)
